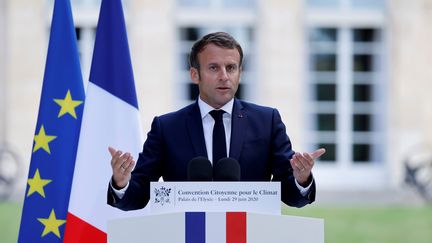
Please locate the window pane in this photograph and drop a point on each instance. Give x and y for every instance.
(324, 62)
(330, 154)
(326, 92)
(185, 61)
(240, 93)
(326, 122)
(246, 64)
(193, 91)
(362, 92)
(189, 34)
(361, 152)
(365, 35)
(363, 63)
(78, 32)
(251, 34)
(323, 34)
(362, 122)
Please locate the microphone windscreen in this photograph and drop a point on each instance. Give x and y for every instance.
(199, 169)
(226, 169)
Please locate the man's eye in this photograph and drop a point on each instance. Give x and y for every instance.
(213, 68)
(231, 68)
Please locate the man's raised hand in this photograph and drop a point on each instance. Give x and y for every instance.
(302, 164)
(122, 165)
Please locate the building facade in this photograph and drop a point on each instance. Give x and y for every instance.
(352, 76)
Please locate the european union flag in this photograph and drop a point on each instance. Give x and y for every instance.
(56, 137)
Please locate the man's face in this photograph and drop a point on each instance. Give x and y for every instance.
(219, 74)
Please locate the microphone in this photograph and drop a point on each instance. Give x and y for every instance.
(226, 169)
(199, 169)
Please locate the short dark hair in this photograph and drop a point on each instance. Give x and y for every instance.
(221, 39)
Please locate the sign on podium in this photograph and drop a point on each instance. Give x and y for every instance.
(256, 197)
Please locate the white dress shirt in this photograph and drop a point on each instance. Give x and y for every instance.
(208, 124)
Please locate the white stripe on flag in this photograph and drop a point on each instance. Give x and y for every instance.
(215, 227)
(107, 121)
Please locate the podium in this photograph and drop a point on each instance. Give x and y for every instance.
(179, 218)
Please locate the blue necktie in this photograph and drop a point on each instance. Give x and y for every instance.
(219, 143)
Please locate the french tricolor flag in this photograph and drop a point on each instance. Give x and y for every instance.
(216, 227)
(227, 227)
(188, 227)
(110, 118)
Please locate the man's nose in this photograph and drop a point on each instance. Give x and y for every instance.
(223, 74)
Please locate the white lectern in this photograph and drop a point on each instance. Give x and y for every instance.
(181, 223)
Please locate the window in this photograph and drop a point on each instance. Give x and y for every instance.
(325, 92)
(326, 122)
(344, 76)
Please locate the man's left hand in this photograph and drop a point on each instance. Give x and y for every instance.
(302, 164)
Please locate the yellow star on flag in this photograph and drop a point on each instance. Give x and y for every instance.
(42, 140)
(37, 184)
(51, 224)
(68, 105)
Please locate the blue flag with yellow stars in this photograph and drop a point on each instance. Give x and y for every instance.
(56, 136)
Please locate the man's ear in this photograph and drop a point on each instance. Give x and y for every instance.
(194, 74)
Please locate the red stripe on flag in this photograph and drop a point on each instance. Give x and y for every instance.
(236, 227)
(79, 231)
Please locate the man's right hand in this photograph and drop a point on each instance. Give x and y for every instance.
(122, 166)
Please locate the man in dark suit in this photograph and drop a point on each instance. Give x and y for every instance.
(254, 135)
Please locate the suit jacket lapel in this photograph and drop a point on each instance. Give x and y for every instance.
(238, 129)
(195, 131)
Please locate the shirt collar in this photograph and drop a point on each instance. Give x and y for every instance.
(206, 108)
